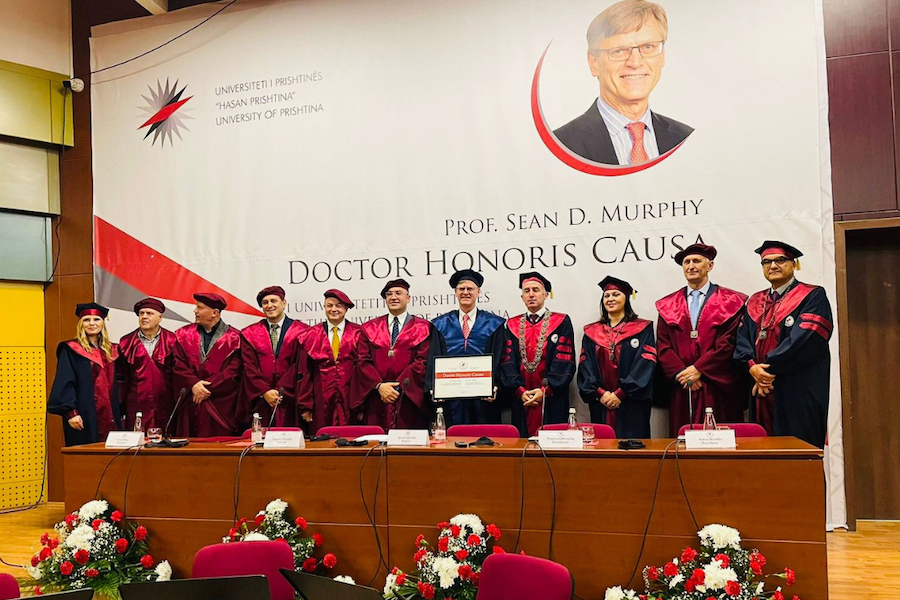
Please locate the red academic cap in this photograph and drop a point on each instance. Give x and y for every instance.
(535, 276)
(466, 275)
(151, 303)
(272, 290)
(211, 300)
(773, 247)
(339, 295)
(701, 249)
(91, 308)
(392, 284)
(613, 283)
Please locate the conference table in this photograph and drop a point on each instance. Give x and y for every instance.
(593, 503)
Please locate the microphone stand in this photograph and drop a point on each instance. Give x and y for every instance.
(167, 442)
(399, 400)
(275, 408)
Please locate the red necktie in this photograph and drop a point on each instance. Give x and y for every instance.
(465, 327)
(638, 154)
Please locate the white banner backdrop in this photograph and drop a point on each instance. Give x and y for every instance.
(322, 143)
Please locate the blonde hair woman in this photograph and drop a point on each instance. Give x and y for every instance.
(84, 389)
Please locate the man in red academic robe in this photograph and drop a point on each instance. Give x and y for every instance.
(332, 349)
(538, 361)
(144, 367)
(393, 356)
(695, 344)
(208, 366)
(783, 342)
(272, 355)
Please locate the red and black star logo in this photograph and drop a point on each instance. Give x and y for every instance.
(162, 105)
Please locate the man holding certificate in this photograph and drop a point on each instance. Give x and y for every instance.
(474, 338)
(393, 354)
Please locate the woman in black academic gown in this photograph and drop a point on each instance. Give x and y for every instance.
(618, 359)
(84, 390)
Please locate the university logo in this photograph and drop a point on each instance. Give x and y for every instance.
(166, 117)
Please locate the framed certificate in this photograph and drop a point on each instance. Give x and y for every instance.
(468, 376)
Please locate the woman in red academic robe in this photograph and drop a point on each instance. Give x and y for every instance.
(618, 360)
(84, 390)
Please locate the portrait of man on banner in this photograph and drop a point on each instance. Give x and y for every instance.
(626, 53)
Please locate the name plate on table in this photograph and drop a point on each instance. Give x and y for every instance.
(469, 376)
(284, 439)
(565, 439)
(408, 437)
(710, 439)
(124, 439)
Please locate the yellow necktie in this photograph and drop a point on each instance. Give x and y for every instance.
(335, 341)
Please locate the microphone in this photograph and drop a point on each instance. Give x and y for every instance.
(342, 442)
(275, 408)
(399, 400)
(166, 441)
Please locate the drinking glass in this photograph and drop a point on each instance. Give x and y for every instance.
(587, 433)
(154, 434)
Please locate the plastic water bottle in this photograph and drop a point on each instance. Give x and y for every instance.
(573, 422)
(138, 422)
(709, 420)
(440, 428)
(256, 433)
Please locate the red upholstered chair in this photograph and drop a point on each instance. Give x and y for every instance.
(601, 431)
(503, 431)
(246, 434)
(248, 558)
(740, 429)
(351, 431)
(9, 587)
(505, 576)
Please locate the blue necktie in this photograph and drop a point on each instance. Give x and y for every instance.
(695, 307)
(395, 330)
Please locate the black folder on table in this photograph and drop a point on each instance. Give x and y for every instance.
(85, 594)
(316, 587)
(253, 587)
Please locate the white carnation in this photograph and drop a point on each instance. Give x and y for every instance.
(715, 577)
(470, 521)
(163, 571)
(630, 594)
(80, 538)
(226, 539)
(345, 579)
(389, 584)
(720, 537)
(35, 572)
(676, 580)
(447, 570)
(92, 510)
(277, 506)
(614, 593)
(760, 587)
(255, 536)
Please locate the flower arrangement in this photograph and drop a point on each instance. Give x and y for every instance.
(273, 523)
(93, 548)
(451, 569)
(721, 570)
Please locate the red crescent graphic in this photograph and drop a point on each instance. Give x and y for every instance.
(165, 112)
(567, 156)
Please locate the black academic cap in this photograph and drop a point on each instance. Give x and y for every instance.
(535, 276)
(774, 247)
(466, 275)
(613, 283)
(91, 308)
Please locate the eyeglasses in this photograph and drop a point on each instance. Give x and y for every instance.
(623, 53)
(766, 262)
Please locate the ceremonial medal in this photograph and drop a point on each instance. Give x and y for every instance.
(391, 352)
(635, 343)
(762, 334)
(531, 366)
(695, 334)
(612, 353)
(789, 321)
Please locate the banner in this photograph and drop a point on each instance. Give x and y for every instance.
(317, 144)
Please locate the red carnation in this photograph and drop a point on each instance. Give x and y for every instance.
(329, 560)
(54, 542)
(796, 598)
(419, 540)
(96, 523)
(92, 573)
(454, 530)
(426, 590)
(473, 540)
(499, 550)
(300, 522)
(82, 556)
(465, 571)
(724, 560)
(121, 545)
(689, 585)
(688, 554)
(790, 576)
(45, 539)
(462, 555)
(652, 573)
(241, 522)
(140, 534)
(117, 515)
(699, 576)
(71, 518)
(443, 525)
(777, 595)
(147, 561)
(66, 568)
(670, 569)
(259, 519)
(755, 567)
(35, 560)
(419, 555)
(310, 564)
(401, 578)
(318, 539)
(37, 591)
(732, 588)
(758, 558)
(443, 543)
(45, 553)
(232, 533)
(493, 531)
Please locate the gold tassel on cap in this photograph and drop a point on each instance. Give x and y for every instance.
(797, 263)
